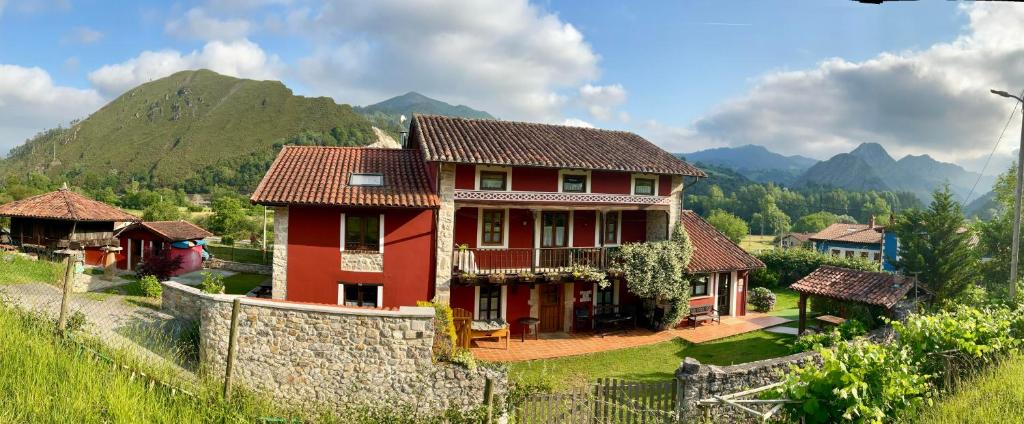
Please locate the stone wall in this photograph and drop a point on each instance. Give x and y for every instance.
(215, 263)
(698, 381)
(280, 267)
(317, 356)
(362, 261)
(445, 232)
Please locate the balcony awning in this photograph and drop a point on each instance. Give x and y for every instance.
(575, 200)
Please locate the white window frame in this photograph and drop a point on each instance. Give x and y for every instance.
(380, 234)
(618, 230)
(504, 303)
(380, 294)
(480, 229)
(365, 174)
(707, 292)
(563, 172)
(506, 169)
(632, 183)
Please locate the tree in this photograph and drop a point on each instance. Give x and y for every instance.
(815, 222)
(994, 235)
(230, 217)
(935, 245)
(731, 225)
(162, 211)
(657, 270)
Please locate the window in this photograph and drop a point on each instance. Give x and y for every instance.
(700, 287)
(493, 180)
(574, 183)
(362, 295)
(611, 228)
(362, 232)
(849, 253)
(605, 295)
(366, 180)
(490, 303)
(835, 252)
(864, 255)
(643, 186)
(878, 257)
(493, 227)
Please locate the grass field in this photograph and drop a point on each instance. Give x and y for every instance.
(241, 283)
(16, 269)
(657, 362)
(996, 396)
(752, 243)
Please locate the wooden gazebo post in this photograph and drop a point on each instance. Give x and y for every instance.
(803, 313)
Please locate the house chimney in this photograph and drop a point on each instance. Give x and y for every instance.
(871, 223)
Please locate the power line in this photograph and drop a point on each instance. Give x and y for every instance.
(994, 147)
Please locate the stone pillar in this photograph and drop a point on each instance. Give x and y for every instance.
(445, 232)
(657, 225)
(279, 279)
(676, 201)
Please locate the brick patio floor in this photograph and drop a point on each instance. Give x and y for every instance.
(555, 345)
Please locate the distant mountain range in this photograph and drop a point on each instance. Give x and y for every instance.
(868, 167)
(413, 102)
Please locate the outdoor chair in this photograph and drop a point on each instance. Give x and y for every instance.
(581, 319)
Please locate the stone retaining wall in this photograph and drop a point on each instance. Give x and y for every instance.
(215, 263)
(326, 356)
(698, 381)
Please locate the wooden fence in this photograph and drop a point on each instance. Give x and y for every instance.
(607, 401)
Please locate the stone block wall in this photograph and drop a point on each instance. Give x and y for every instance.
(215, 263)
(362, 261)
(318, 356)
(280, 266)
(697, 381)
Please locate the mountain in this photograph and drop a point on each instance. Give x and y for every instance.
(870, 167)
(755, 162)
(413, 102)
(189, 129)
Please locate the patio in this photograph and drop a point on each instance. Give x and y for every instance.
(555, 345)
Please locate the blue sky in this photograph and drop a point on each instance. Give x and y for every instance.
(801, 77)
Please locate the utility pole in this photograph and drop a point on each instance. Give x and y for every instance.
(1015, 247)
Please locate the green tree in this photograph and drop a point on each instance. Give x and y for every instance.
(162, 211)
(935, 245)
(815, 222)
(995, 235)
(731, 225)
(230, 217)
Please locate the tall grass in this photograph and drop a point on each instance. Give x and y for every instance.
(994, 396)
(17, 269)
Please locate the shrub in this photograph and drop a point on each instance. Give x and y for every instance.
(762, 299)
(970, 334)
(445, 338)
(227, 241)
(790, 265)
(655, 270)
(76, 322)
(464, 358)
(846, 331)
(150, 286)
(764, 277)
(212, 283)
(857, 382)
(162, 266)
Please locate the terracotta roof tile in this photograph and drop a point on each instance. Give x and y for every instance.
(712, 250)
(494, 142)
(316, 175)
(171, 230)
(854, 233)
(873, 288)
(65, 205)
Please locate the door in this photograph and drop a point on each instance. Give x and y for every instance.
(550, 308)
(724, 293)
(554, 238)
(136, 253)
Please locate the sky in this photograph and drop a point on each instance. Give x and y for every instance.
(813, 78)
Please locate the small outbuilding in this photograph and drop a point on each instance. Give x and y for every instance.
(175, 238)
(64, 219)
(878, 289)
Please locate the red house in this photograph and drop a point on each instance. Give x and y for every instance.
(490, 216)
(181, 239)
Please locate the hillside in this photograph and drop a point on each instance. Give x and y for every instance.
(755, 162)
(387, 114)
(846, 171)
(190, 129)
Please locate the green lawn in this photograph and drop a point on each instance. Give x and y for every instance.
(241, 254)
(657, 362)
(133, 293)
(752, 243)
(996, 396)
(17, 269)
(787, 304)
(241, 283)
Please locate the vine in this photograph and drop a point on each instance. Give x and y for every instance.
(657, 271)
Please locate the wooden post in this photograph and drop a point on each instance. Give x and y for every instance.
(69, 269)
(803, 314)
(232, 340)
(489, 399)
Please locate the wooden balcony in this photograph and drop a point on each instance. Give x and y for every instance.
(531, 260)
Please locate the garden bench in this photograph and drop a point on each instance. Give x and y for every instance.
(702, 313)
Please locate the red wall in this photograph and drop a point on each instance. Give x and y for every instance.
(664, 185)
(465, 177)
(610, 182)
(518, 306)
(314, 256)
(634, 226)
(93, 256)
(535, 179)
(583, 223)
(546, 180)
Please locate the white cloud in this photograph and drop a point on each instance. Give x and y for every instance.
(83, 35)
(197, 24)
(504, 56)
(601, 100)
(933, 101)
(3, 4)
(241, 58)
(575, 122)
(30, 101)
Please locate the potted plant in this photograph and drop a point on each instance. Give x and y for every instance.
(496, 278)
(467, 277)
(527, 276)
(553, 276)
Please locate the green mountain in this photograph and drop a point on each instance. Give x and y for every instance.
(192, 129)
(413, 102)
(755, 162)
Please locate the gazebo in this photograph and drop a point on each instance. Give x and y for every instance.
(849, 285)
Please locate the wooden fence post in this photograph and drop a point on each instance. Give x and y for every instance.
(62, 320)
(489, 399)
(232, 340)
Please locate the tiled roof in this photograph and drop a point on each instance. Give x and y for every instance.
(854, 233)
(800, 236)
(65, 205)
(494, 142)
(873, 288)
(171, 230)
(712, 250)
(316, 175)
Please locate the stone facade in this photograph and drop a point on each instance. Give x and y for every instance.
(280, 267)
(316, 356)
(362, 261)
(657, 225)
(675, 199)
(445, 232)
(215, 263)
(697, 381)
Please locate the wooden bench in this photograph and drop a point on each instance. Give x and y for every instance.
(498, 334)
(702, 313)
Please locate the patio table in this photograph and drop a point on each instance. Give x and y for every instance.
(528, 322)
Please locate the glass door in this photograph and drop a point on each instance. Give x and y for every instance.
(554, 238)
(724, 293)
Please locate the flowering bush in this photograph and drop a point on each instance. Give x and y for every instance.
(762, 299)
